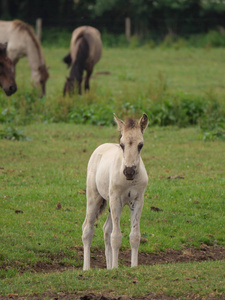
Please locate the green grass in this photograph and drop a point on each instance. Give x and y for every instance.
(175, 87)
(51, 168)
(48, 163)
(180, 280)
(191, 70)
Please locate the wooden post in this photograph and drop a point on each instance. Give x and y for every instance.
(127, 28)
(39, 28)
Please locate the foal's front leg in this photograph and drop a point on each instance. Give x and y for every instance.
(107, 228)
(135, 236)
(116, 236)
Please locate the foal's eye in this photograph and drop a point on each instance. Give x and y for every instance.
(140, 147)
(122, 146)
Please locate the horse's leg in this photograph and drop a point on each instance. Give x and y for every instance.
(87, 78)
(107, 228)
(135, 236)
(93, 206)
(79, 87)
(116, 236)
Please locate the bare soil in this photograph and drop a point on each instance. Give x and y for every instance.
(169, 256)
(98, 261)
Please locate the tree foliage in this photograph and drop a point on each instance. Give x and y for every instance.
(161, 16)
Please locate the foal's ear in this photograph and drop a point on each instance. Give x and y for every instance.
(120, 123)
(143, 122)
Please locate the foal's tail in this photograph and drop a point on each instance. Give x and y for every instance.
(102, 208)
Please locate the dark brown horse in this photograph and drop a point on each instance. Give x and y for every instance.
(7, 76)
(85, 52)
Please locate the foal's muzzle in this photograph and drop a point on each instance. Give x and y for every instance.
(129, 172)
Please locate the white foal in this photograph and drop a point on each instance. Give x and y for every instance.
(116, 173)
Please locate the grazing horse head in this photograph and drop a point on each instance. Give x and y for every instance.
(69, 86)
(131, 143)
(7, 74)
(43, 77)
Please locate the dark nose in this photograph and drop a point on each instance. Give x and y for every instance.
(13, 88)
(129, 172)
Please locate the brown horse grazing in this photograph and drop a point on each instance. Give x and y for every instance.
(85, 52)
(23, 42)
(7, 76)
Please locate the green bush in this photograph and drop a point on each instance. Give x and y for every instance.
(163, 108)
(95, 115)
(57, 37)
(11, 133)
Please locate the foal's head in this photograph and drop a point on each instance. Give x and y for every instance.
(131, 143)
(7, 72)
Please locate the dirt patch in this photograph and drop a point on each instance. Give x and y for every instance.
(98, 261)
(169, 256)
(92, 296)
(101, 73)
(107, 296)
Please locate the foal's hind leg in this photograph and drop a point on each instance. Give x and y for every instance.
(116, 236)
(107, 228)
(93, 208)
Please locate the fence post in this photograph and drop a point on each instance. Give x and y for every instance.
(39, 28)
(127, 28)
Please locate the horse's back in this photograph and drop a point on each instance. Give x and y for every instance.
(84, 29)
(5, 30)
(10, 32)
(93, 37)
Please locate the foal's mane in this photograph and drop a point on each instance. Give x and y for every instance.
(23, 27)
(130, 124)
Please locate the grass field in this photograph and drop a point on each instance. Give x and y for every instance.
(186, 180)
(191, 70)
(174, 87)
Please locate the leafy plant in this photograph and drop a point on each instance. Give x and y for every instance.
(11, 133)
(95, 115)
(213, 127)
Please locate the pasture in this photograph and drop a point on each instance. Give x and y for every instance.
(43, 181)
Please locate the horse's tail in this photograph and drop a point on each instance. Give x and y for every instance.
(67, 60)
(82, 55)
(102, 208)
